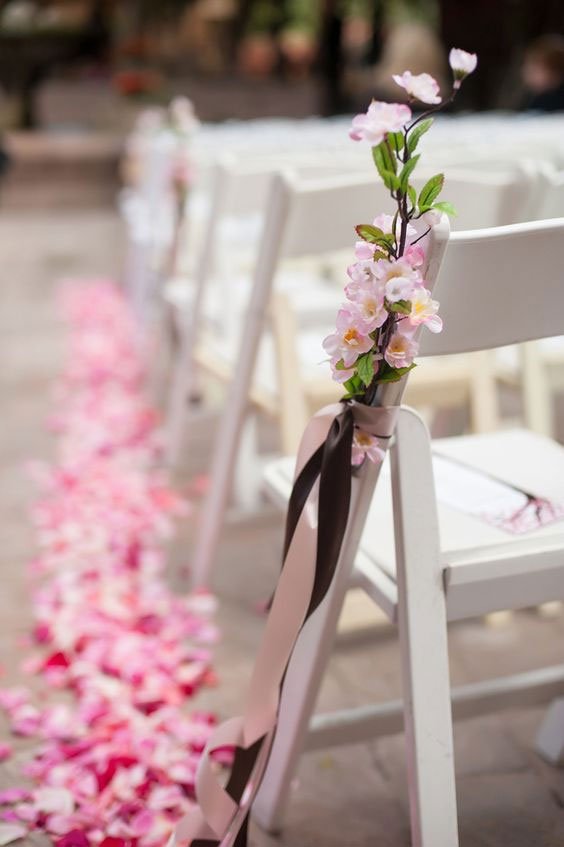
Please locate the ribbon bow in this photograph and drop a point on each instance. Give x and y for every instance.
(317, 519)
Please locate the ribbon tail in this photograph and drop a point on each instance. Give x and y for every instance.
(317, 519)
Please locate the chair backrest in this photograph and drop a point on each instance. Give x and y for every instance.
(325, 211)
(313, 219)
(551, 194)
(487, 198)
(321, 214)
(240, 192)
(500, 286)
(336, 192)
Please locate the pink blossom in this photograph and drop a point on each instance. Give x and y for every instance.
(370, 305)
(363, 250)
(431, 217)
(365, 446)
(384, 222)
(400, 351)
(363, 279)
(415, 256)
(378, 121)
(421, 87)
(6, 751)
(387, 269)
(462, 64)
(423, 311)
(340, 374)
(399, 288)
(351, 339)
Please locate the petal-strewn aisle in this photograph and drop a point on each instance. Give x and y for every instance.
(118, 655)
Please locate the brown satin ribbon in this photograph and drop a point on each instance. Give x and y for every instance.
(318, 513)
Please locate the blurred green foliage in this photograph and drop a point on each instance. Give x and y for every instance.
(305, 15)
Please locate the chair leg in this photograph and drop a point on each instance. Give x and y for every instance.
(484, 411)
(293, 402)
(550, 738)
(181, 384)
(301, 688)
(247, 479)
(537, 398)
(423, 640)
(161, 353)
(307, 666)
(226, 446)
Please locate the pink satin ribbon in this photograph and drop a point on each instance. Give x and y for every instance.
(218, 816)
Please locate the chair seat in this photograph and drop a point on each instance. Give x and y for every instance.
(443, 380)
(485, 567)
(223, 315)
(219, 355)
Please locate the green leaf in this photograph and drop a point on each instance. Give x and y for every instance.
(396, 141)
(354, 386)
(416, 133)
(387, 165)
(406, 172)
(431, 190)
(367, 232)
(389, 179)
(412, 194)
(365, 368)
(387, 243)
(340, 366)
(374, 235)
(402, 307)
(380, 254)
(394, 374)
(384, 158)
(446, 207)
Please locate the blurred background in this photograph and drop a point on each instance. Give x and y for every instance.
(77, 63)
(75, 73)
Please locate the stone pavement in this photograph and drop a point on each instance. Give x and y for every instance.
(351, 797)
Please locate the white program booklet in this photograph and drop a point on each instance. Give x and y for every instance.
(476, 493)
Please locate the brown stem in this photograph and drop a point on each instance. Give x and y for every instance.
(432, 111)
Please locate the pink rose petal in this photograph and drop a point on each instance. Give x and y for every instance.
(119, 755)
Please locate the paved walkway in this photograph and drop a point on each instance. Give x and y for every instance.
(353, 797)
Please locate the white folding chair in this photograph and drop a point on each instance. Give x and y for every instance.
(239, 196)
(333, 207)
(424, 562)
(483, 200)
(537, 368)
(149, 210)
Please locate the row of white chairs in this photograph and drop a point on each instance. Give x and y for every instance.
(425, 563)
(288, 384)
(258, 328)
(443, 564)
